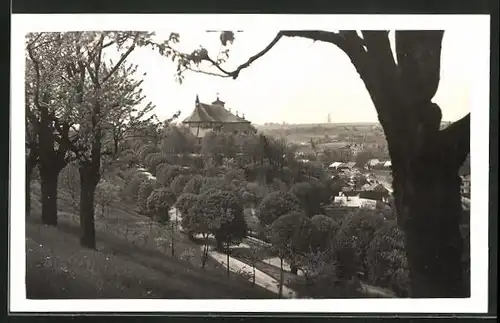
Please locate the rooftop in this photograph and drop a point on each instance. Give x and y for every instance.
(215, 112)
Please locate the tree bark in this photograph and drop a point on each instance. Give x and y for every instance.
(49, 195)
(429, 207)
(31, 162)
(88, 182)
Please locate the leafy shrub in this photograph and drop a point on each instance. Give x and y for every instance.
(168, 173)
(385, 256)
(185, 202)
(193, 186)
(213, 183)
(105, 194)
(146, 187)
(129, 157)
(323, 230)
(146, 150)
(177, 185)
(313, 195)
(159, 203)
(355, 234)
(131, 188)
(225, 208)
(153, 160)
(291, 234)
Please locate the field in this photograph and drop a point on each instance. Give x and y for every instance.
(297, 133)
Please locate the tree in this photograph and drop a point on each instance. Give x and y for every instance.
(178, 184)
(197, 221)
(132, 186)
(425, 159)
(324, 229)
(127, 114)
(290, 234)
(216, 146)
(225, 208)
(159, 202)
(312, 196)
(275, 205)
(255, 254)
(106, 194)
(146, 150)
(177, 142)
(355, 234)
(168, 173)
(31, 160)
(213, 183)
(91, 79)
(386, 260)
(193, 186)
(183, 205)
(153, 160)
(44, 101)
(147, 186)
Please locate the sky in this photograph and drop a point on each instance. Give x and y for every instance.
(297, 81)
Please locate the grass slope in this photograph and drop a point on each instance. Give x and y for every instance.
(131, 261)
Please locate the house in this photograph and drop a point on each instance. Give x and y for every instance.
(375, 196)
(215, 117)
(336, 165)
(353, 199)
(373, 162)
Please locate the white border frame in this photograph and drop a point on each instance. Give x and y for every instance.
(479, 102)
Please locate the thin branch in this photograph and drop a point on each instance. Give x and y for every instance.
(205, 72)
(108, 44)
(122, 59)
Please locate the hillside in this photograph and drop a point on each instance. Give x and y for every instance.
(126, 265)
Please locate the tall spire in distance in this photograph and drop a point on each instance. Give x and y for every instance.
(197, 99)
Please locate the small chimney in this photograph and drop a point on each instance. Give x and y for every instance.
(237, 113)
(243, 116)
(197, 100)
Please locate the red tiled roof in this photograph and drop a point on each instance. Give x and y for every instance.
(212, 113)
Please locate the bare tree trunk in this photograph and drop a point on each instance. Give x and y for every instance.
(49, 195)
(31, 162)
(429, 208)
(425, 159)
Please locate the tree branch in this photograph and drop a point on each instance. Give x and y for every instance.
(37, 75)
(122, 59)
(348, 41)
